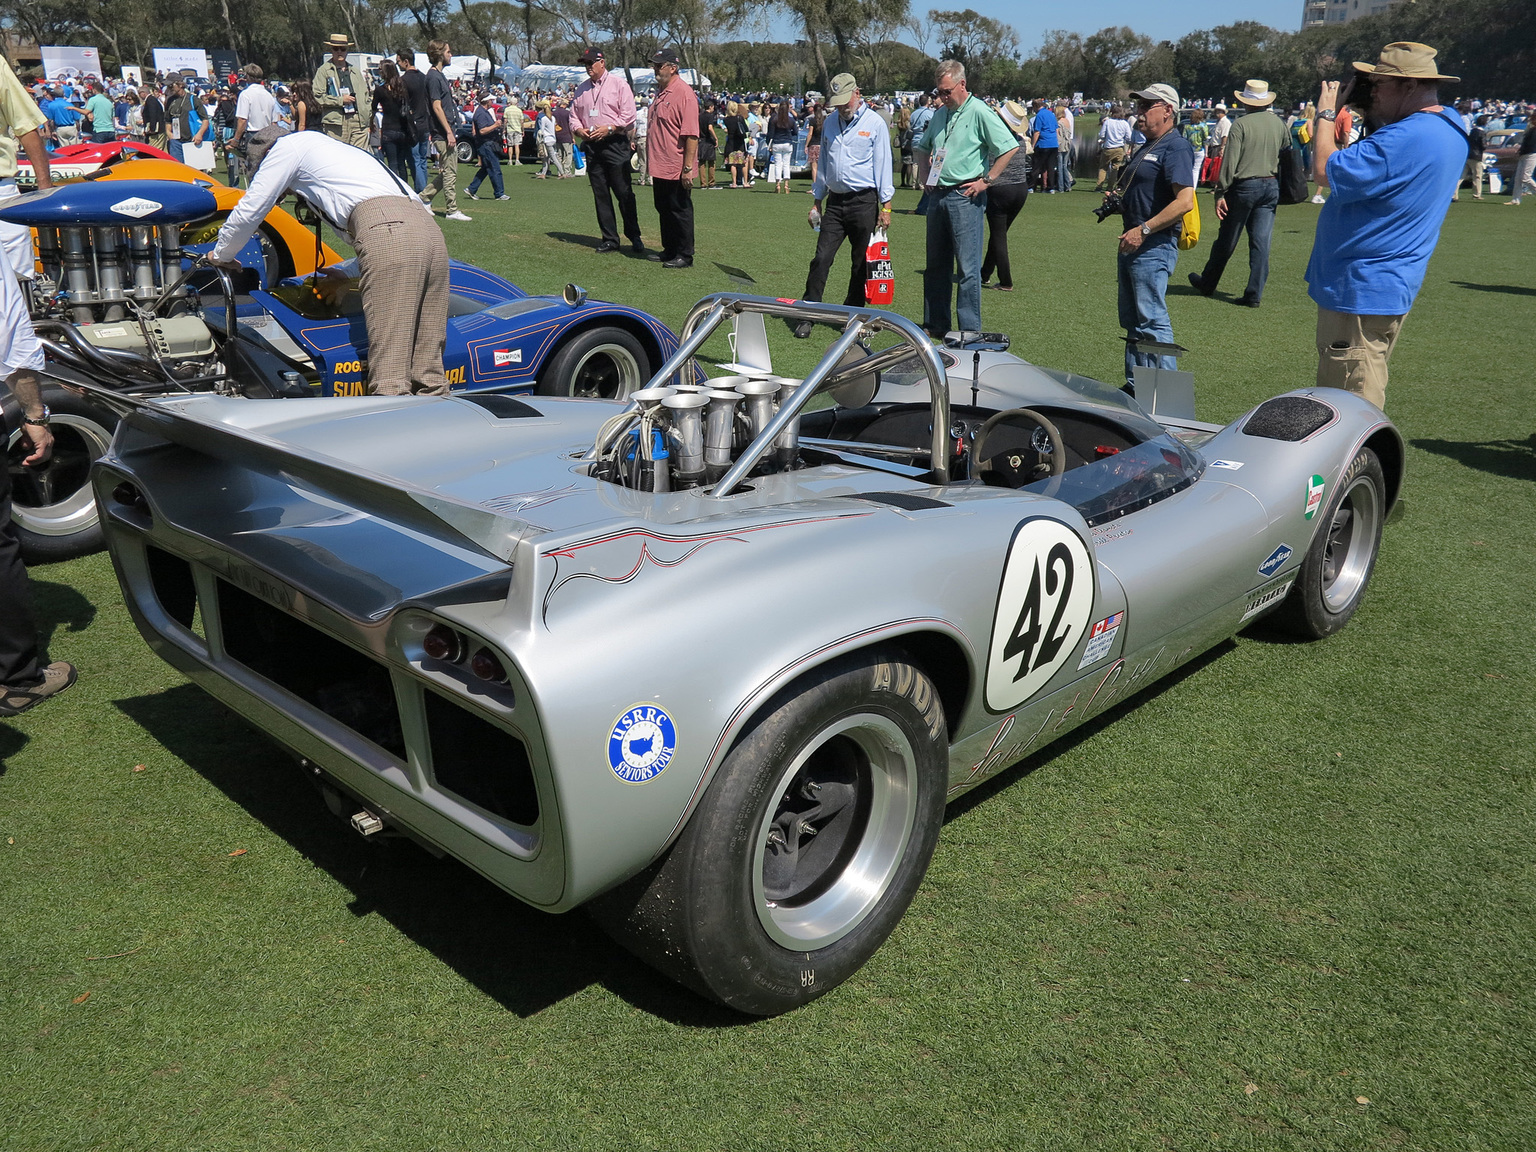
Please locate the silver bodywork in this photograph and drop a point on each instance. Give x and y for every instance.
(370, 521)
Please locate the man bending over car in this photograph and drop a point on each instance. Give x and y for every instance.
(402, 261)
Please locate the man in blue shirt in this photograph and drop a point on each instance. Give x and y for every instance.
(64, 117)
(1379, 227)
(854, 179)
(1155, 194)
(1047, 145)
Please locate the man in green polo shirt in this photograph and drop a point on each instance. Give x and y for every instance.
(965, 147)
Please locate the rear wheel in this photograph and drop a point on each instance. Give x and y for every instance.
(466, 152)
(1332, 579)
(601, 363)
(53, 509)
(807, 847)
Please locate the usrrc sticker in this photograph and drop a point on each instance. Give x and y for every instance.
(641, 744)
(1229, 465)
(1043, 607)
(1315, 488)
(1101, 639)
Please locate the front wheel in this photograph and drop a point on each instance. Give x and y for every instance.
(466, 152)
(807, 847)
(601, 363)
(53, 509)
(1332, 579)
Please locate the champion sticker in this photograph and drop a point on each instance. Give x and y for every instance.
(641, 744)
(136, 207)
(1101, 639)
(1230, 465)
(1275, 560)
(1315, 488)
(1264, 599)
(505, 356)
(1043, 607)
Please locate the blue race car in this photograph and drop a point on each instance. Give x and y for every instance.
(121, 302)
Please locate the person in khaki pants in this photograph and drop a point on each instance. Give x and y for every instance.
(445, 144)
(1381, 222)
(401, 258)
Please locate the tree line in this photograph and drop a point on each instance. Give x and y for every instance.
(1490, 43)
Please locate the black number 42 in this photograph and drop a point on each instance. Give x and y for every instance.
(1026, 629)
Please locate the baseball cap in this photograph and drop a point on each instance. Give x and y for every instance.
(590, 56)
(843, 85)
(665, 56)
(1159, 94)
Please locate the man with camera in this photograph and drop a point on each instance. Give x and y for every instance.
(1390, 193)
(1152, 194)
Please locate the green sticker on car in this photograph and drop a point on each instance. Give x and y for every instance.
(1315, 488)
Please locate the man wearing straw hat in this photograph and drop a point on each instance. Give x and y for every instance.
(1376, 233)
(337, 85)
(1247, 193)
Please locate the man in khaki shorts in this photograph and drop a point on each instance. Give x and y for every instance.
(402, 261)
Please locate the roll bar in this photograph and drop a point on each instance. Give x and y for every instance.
(710, 312)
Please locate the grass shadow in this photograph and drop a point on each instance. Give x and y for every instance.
(1017, 771)
(1515, 459)
(1507, 289)
(524, 959)
(11, 742)
(574, 238)
(58, 605)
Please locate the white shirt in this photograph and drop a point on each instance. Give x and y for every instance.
(1114, 132)
(257, 107)
(333, 176)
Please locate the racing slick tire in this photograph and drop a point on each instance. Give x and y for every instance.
(807, 847)
(606, 363)
(53, 509)
(1333, 576)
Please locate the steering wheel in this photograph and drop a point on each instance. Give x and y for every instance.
(1050, 460)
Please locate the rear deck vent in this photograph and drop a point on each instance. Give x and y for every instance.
(503, 407)
(347, 686)
(1289, 418)
(171, 577)
(482, 763)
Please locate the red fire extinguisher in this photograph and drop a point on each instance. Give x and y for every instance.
(879, 285)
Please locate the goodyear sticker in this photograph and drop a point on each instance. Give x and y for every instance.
(1275, 560)
(641, 744)
(1315, 488)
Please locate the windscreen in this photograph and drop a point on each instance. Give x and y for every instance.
(1126, 481)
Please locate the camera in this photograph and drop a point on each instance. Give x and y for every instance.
(1112, 206)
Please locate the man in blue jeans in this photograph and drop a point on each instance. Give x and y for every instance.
(1247, 193)
(1155, 194)
(487, 129)
(965, 147)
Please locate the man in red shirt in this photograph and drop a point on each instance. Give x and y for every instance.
(672, 151)
(602, 114)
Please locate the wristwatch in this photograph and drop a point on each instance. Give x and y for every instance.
(1327, 114)
(1145, 230)
(41, 421)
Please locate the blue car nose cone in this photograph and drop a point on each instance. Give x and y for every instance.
(122, 202)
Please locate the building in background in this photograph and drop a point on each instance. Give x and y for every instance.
(1315, 13)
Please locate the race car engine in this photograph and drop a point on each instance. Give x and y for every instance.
(110, 298)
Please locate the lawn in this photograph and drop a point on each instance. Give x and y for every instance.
(1284, 900)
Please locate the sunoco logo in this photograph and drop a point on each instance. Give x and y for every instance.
(136, 207)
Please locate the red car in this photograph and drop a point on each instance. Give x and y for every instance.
(82, 159)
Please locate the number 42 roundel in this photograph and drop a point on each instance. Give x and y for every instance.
(1043, 608)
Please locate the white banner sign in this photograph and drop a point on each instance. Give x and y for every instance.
(172, 60)
(132, 74)
(63, 62)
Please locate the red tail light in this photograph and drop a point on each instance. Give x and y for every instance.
(443, 643)
(486, 666)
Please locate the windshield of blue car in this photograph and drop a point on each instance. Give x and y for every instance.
(1125, 481)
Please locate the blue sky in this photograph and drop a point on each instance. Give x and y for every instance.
(1162, 21)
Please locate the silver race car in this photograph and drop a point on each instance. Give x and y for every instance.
(712, 660)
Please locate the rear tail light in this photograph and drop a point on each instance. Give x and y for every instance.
(443, 643)
(486, 666)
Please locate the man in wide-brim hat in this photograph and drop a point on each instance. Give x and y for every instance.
(337, 87)
(1376, 233)
(1247, 192)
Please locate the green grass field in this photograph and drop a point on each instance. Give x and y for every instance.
(1285, 900)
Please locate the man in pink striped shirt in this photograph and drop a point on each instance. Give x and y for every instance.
(602, 116)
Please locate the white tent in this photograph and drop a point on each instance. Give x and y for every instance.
(547, 77)
(461, 68)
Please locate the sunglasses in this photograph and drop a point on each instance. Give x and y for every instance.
(945, 91)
